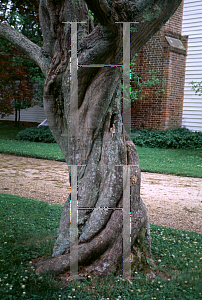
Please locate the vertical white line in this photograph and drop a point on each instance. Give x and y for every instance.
(73, 224)
(73, 126)
(126, 77)
(126, 222)
(73, 131)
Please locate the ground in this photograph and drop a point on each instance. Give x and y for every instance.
(171, 201)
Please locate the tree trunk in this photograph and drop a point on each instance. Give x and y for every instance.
(18, 117)
(101, 146)
(100, 182)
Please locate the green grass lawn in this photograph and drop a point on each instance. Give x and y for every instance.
(27, 231)
(170, 161)
(32, 149)
(28, 228)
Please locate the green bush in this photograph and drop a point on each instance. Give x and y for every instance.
(36, 134)
(179, 138)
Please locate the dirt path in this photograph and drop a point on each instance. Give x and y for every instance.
(171, 201)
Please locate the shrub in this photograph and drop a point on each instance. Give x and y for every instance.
(36, 134)
(179, 138)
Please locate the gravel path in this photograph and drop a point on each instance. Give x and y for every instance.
(171, 201)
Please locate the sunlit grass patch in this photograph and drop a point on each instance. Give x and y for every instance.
(171, 161)
(31, 149)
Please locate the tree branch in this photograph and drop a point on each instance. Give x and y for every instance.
(101, 9)
(150, 15)
(22, 43)
(151, 18)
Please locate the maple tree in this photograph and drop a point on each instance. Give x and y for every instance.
(16, 86)
(18, 74)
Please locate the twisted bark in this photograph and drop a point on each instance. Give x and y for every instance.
(101, 143)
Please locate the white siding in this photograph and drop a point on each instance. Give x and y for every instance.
(32, 114)
(192, 26)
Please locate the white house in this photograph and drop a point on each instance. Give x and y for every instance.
(192, 26)
(32, 114)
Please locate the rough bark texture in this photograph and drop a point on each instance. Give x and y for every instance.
(102, 143)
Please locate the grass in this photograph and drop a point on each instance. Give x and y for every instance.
(31, 149)
(170, 161)
(27, 231)
(28, 227)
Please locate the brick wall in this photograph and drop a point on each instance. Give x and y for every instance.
(174, 24)
(158, 110)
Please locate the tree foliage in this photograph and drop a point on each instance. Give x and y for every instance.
(16, 86)
(139, 85)
(19, 74)
(197, 87)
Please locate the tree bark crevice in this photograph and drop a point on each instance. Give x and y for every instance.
(100, 147)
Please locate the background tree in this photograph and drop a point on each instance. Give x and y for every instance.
(16, 86)
(101, 142)
(21, 81)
